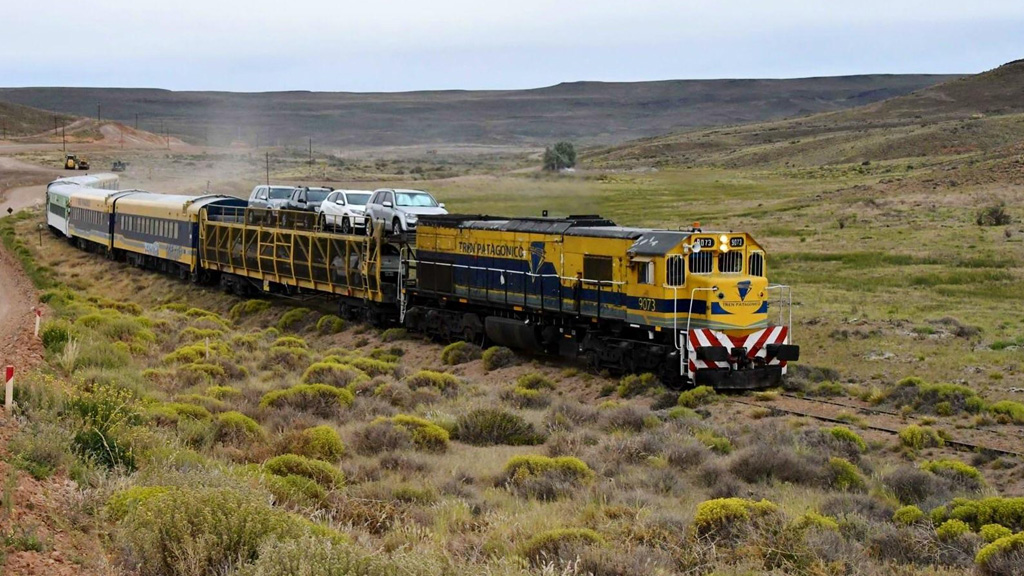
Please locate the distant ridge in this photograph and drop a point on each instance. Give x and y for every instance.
(587, 112)
(983, 113)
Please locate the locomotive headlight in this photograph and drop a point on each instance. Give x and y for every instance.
(724, 248)
(723, 239)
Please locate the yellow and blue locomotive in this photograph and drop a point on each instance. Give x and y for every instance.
(683, 304)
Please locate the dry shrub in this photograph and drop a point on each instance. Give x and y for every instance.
(319, 442)
(545, 478)
(333, 374)
(490, 426)
(559, 544)
(320, 399)
(459, 353)
(567, 415)
(237, 429)
(687, 455)
(911, 485)
(323, 473)
(1003, 557)
(497, 357)
(626, 418)
(719, 480)
(766, 462)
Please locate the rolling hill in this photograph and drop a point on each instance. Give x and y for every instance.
(18, 120)
(980, 114)
(591, 113)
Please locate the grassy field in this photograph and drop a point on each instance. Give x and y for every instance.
(339, 445)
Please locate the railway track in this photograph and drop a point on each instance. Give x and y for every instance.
(885, 421)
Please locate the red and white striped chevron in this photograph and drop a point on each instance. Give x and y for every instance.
(754, 343)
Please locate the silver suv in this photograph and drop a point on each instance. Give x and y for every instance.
(399, 209)
(270, 197)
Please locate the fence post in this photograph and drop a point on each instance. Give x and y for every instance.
(39, 314)
(9, 388)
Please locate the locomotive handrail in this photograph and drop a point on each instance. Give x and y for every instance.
(785, 296)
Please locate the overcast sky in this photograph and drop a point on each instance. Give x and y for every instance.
(392, 45)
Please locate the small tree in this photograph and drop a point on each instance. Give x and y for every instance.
(561, 155)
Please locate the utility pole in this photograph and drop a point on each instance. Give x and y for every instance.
(136, 120)
(310, 157)
(54, 123)
(5, 127)
(63, 138)
(99, 117)
(268, 168)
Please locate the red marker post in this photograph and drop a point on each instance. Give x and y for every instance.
(9, 388)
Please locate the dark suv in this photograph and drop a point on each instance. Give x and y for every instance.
(307, 199)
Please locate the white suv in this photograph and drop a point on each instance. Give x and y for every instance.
(399, 209)
(345, 210)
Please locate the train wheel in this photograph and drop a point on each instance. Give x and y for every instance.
(346, 226)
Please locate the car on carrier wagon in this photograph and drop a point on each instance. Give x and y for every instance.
(399, 209)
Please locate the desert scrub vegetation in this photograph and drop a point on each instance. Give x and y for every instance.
(236, 428)
(459, 353)
(497, 357)
(319, 442)
(320, 399)
(556, 543)
(635, 385)
(400, 431)
(323, 473)
(330, 324)
(699, 396)
(920, 437)
(293, 319)
(490, 426)
(248, 308)
(333, 374)
(545, 477)
(441, 381)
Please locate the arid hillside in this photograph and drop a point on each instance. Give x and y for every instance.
(588, 112)
(977, 114)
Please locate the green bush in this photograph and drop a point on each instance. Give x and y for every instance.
(547, 545)
(330, 324)
(248, 308)
(292, 318)
(993, 532)
(843, 475)
(203, 371)
(635, 385)
(924, 397)
(490, 426)
(105, 415)
(722, 515)
(323, 473)
(845, 435)
(699, 396)
(714, 441)
(223, 392)
(193, 334)
(394, 335)
(286, 358)
(186, 410)
(290, 342)
(124, 502)
(192, 353)
(237, 428)
(497, 357)
(1002, 557)
(198, 530)
(428, 378)
(319, 399)
(459, 353)
(962, 475)
(293, 489)
(920, 437)
(534, 381)
(55, 334)
(331, 373)
(521, 468)
(98, 353)
(372, 367)
(425, 434)
(211, 404)
(319, 556)
(526, 398)
(951, 529)
(1013, 411)
(41, 448)
(908, 515)
(321, 443)
(1007, 512)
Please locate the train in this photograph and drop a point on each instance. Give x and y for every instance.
(692, 306)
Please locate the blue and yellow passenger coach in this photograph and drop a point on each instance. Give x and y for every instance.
(689, 303)
(161, 231)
